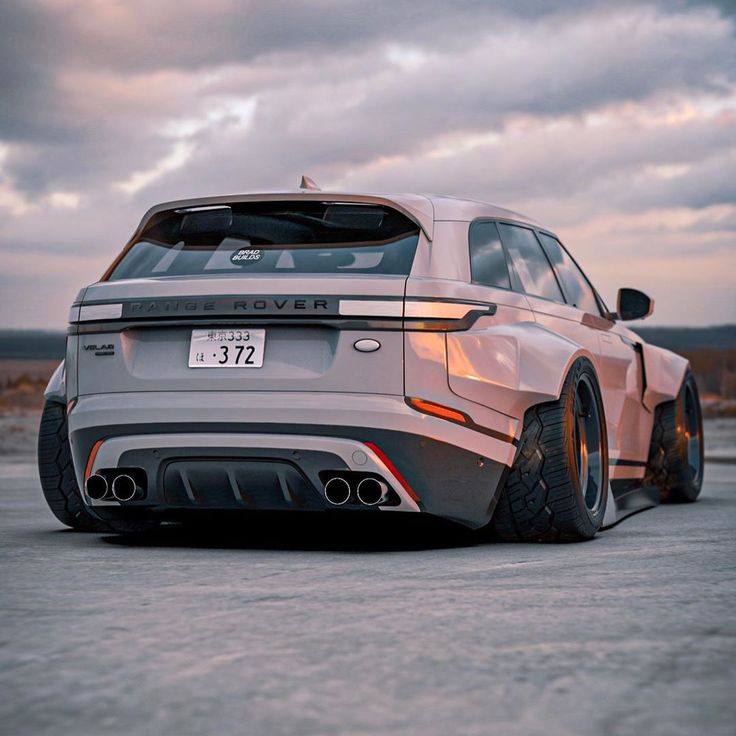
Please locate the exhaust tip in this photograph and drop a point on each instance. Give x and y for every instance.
(372, 491)
(124, 488)
(96, 486)
(337, 491)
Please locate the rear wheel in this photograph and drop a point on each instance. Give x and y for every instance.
(557, 487)
(56, 471)
(675, 463)
(59, 483)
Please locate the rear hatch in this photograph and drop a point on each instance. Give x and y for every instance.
(255, 296)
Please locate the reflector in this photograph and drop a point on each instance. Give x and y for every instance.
(429, 407)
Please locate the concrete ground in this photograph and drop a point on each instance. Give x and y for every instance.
(313, 629)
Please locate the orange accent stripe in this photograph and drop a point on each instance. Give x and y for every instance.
(438, 410)
(91, 459)
(393, 470)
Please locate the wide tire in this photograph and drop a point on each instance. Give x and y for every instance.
(675, 464)
(59, 483)
(550, 494)
(56, 470)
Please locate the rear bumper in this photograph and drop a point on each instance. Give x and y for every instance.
(451, 471)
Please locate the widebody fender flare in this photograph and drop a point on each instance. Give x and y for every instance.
(664, 372)
(511, 367)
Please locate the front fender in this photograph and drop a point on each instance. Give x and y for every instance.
(664, 372)
(56, 388)
(510, 367)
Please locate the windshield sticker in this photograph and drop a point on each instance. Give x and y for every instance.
(246, 256)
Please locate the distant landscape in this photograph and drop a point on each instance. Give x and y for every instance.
(32, 345)
(29, 357)
(712, 355)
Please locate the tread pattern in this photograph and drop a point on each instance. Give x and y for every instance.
(539, 501)
(667, 466)
(59, 484)
(56, 471)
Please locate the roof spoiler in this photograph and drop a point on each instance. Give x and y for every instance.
(422, 217)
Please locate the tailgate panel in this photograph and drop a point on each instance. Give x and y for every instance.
(301, 358)
(150, 343)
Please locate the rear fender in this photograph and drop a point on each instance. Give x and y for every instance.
(664, 373)
(511, 367)
(56, 388)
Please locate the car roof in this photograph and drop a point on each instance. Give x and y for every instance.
(424, 209)
(458, 208)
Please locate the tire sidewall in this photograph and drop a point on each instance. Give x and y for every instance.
(690, 488)
(583, 366)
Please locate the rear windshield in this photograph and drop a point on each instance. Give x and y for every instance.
(274, 238)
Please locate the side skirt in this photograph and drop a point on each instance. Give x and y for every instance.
(629, 499)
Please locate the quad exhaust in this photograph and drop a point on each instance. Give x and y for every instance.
(124, 488)
(123, 485)
(369, 491)
(96, 487)
(372, 491)
(337, 491)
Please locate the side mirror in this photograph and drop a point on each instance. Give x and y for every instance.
(633, 304)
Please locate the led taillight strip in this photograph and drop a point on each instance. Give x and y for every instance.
(417, 313)
(419, 309)
(98, 312)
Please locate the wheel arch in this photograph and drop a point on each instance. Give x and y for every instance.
(512, 367)
(664, 373)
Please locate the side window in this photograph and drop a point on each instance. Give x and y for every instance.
(487, 259)
(535, 273)
(579, 291)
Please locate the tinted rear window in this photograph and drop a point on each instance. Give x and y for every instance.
(274, 238)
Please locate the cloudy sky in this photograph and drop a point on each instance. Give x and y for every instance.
(613, 123)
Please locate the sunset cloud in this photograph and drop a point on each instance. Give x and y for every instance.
(614, 123)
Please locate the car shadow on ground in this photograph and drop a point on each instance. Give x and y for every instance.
(309, 532)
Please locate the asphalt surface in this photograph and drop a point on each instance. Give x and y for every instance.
(316, 628)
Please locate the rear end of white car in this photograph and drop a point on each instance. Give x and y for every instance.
(278, 354)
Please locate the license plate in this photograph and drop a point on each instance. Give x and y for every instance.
(227, 348)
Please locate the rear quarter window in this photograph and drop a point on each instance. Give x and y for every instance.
(487, 259)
